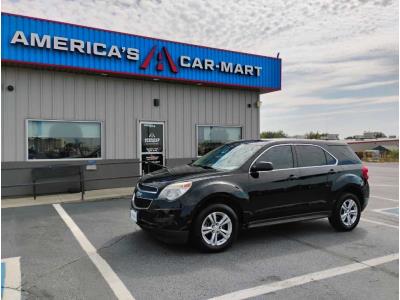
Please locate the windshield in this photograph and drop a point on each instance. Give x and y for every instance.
(229, 156)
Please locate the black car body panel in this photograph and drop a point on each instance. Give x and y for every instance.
(261, 198)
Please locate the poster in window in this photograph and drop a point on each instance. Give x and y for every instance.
(152, 138)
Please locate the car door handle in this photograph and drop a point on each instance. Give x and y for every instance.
(332, 171)
(292, 177)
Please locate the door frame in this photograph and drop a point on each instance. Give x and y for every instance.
(140, 142)
(269, 206)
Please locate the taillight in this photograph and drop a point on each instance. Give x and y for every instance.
(365, 172)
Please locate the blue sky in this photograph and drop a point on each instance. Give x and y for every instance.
(340, 58)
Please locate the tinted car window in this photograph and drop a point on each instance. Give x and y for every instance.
(310, 156)
(281, 157)
(330, 159)
(344, 154)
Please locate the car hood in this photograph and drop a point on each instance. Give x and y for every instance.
(163, 177)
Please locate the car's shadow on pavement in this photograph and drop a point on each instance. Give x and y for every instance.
(152, 258)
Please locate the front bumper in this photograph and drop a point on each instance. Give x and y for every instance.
(169, 221)
(168, 225)
(168, 236)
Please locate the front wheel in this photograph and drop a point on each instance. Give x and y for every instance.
(215, 228)
(346, 214)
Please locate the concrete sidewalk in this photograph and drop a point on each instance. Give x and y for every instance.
(7, 202)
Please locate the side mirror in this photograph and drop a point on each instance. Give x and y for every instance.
(262, 166)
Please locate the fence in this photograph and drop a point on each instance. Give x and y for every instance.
(41, 176)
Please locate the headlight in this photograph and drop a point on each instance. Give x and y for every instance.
(175, 190)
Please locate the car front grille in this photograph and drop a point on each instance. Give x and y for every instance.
(142, 203)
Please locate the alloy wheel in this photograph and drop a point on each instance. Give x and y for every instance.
(216, 228)
(348, 212)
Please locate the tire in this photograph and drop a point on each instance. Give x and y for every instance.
(211, 236)
(346, 213)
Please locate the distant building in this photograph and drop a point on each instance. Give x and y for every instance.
(386, 149)
(383, 145)
(330, 136)
(298, 136)
(368, 135)
(373, 135)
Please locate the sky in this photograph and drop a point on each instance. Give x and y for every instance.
(340, 59)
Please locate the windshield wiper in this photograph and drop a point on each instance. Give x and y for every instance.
(205, 167)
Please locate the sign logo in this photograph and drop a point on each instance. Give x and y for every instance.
(132, 54)
(160, 65)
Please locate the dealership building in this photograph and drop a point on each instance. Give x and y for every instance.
(107, 101)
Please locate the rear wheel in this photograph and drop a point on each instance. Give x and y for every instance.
(346, 214)
(215, 228)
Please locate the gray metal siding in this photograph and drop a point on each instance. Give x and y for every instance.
(120, 104)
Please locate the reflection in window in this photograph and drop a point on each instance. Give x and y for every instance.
(281, 157)
(310, 156)
(63, 139)
(211, 137)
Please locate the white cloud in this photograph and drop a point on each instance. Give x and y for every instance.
(369, 85)
(327, 47)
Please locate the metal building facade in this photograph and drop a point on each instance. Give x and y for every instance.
(120, 104)
(49, 84)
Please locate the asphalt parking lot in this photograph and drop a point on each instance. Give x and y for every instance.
(54, 265)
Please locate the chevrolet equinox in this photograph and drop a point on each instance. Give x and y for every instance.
(248, 184)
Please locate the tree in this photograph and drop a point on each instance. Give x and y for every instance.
(315, 135)
(379, 135)
(273, 134)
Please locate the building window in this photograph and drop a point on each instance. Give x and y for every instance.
(211, 137)
(63, 139)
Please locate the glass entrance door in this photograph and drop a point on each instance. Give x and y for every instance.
(152, 149)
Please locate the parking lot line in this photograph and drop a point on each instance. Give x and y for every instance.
(11, 278)
(112, 279)
(384, 198)
(384, 185)
(388, 211)
(307, 278)
(380, 223)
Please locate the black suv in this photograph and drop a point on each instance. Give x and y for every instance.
(247, 184)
